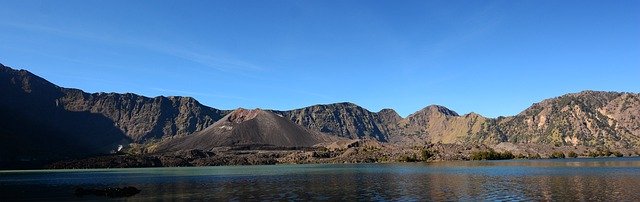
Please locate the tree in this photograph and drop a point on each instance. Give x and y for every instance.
(556, 155)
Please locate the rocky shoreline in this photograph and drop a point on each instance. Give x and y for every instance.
(355, 151)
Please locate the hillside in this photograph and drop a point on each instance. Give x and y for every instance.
(589, 118)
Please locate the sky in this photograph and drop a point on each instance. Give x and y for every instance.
(495, 58)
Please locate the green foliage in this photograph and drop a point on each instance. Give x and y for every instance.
(491, 155)
(556, 155)
(572, 154)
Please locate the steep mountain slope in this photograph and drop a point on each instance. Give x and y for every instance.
(589, 118)
(340, 119)
(34, 129)
(247, 127)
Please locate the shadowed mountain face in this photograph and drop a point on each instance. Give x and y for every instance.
(40, 121)
(35, 128)
(248, 127)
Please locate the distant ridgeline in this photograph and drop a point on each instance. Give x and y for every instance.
(41, 122)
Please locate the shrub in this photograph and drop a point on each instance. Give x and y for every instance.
(534, 156)
(572, 154)
(491, 155)
(426, 154)
(411, 158)
(617, 153)
(506, 155)
(556, 155)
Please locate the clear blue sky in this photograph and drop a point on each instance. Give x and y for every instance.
(490, 57)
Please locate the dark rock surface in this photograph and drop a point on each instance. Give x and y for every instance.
(247, 127)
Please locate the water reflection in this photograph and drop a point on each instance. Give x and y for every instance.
(575, 179)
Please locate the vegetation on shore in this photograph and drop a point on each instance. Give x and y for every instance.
(491, 155)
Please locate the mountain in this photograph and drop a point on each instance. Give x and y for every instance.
(35, 129)
(247, 127)
(40, 121)
(589, 118)
(142, 118)
(436, 123)
(345, 119)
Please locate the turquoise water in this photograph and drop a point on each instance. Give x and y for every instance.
(603, 179)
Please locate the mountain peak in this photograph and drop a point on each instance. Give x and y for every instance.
(439, 109)
(344, 104)
(241, 115)
(387, 111)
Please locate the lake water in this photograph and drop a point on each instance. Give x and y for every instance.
(603, 179)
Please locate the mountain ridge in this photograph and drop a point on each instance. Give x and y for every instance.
(99, 122)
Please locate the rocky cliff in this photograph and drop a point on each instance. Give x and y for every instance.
(341, 119)
(142, 118)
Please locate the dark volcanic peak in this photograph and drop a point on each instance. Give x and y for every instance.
(247, 127)
(241, 115)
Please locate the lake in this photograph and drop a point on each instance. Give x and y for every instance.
(600, 179)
